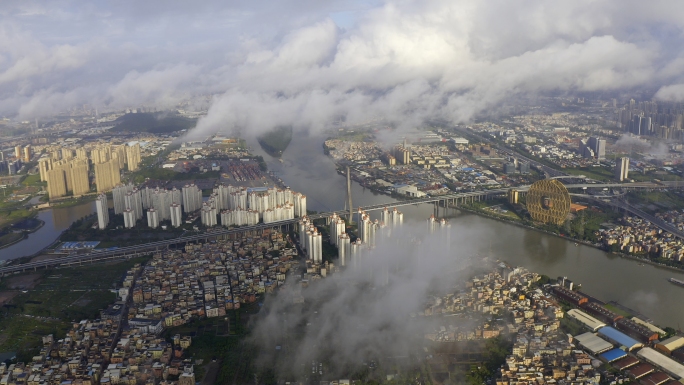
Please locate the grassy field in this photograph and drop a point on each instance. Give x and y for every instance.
(665, 199)
(33, 180)
(60, 297)
(13, 216)
(598, 173)
(617, 310)
(495, 207)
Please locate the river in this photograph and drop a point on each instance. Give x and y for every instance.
(605, 276)
(56, 220)
(305, 168)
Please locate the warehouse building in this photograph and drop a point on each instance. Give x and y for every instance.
(641, 370)
(625, 363)
(650, 326)
(669, 345)
(656, 378)
(613, 355)
(665, 363)
(601, 313)
(569, 296)
(619, 338)
(585, 319)
(635, 330)
(592, 343)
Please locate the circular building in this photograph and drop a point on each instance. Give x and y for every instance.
(548, 201)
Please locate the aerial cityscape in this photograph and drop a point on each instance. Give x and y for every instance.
(341, 193)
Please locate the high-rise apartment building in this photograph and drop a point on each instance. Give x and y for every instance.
(622, 169)
(208, 215)
(192, 198)
(593, 148)
(44, 165)
(119, 195)
(176, 215)
(79, 177)
(129, 218)
(152, 218)
(17, 151)
(133, 157)
(107, 175)
(160, 200)
(119, 153)
(102, 211)
(56, 183)
(101, 154)
(133, 201)
(28, 153)
(81, 153)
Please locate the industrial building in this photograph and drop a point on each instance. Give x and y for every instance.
(593, 344)
(613, 355)
(635, 330)
(601, 313)
(587, 320)
(669, 345)
(408, 190)
(657, 378)
(650, 326)
(569, 296)
(617, 337)
(624, 363)
(640, 370)
(665, 363)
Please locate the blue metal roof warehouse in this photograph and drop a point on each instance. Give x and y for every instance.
(613, 355)
(619, 338)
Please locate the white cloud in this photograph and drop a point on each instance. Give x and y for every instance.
(291, 64)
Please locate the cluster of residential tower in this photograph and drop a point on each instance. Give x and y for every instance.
(234, 206)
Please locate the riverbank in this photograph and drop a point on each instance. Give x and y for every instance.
(585, 243)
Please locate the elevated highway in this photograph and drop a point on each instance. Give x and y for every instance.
(447, 200)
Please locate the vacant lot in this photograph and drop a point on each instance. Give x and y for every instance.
(53, 299)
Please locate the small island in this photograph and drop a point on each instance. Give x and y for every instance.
(276, 140)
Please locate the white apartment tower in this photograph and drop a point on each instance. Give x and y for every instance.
(622, 169)
(129, 218)
(119, 195)
(176, 215)
(102, 211)
(192, 198)
(133, 201)
(152, 218)
(343, 248)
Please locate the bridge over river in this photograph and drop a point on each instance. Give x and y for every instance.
(448, 200)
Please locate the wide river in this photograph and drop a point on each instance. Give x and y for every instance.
(305, 168)
(605, 276)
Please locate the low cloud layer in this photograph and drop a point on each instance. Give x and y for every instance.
(307, 63)
(370, 311)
